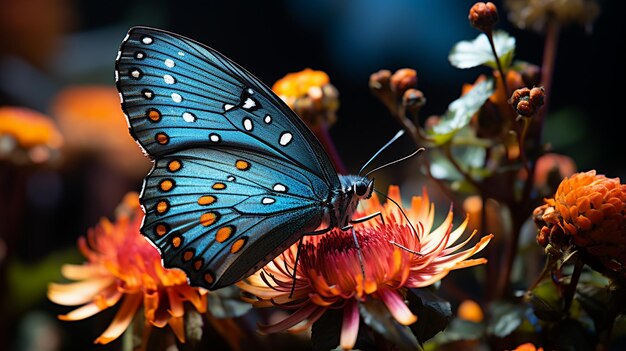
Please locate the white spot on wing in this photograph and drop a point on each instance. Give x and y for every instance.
(180, 53)
(268, 119)
(117, 76)
(249, 104)
(285, 138)
(214, 137)
(135, 73)
(250, 91)
(268, 200)
(139, 55)
(146, 40)
(169, 63)
(119, 54)
(280, 188)
(189, 117)
(247, 124)
(169, 79)
(147, 94)
(230, 178)
(228, 107)
(176, 97)
(126, 37)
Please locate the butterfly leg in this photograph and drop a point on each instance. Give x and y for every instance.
(358, 248)
(295, 266)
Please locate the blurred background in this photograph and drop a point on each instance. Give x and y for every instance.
(56, 67)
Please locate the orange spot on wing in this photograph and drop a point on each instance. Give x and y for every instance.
(167, 184)
(242, 165)
(174, 165)
(219, 186)
(237, 245)
(161, 229)
(198, 264)
(188, 255)
(154, 115)
(162, 206)
(162, 138)
(209, 278)
(176, 241)
(223, 234)
(206, 200)
(208, 218)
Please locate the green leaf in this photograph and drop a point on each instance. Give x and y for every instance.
(505, 319)
(460, 112)
(468, 54)
(433, 313)
(326, 330)
(570, 335)
(545, 309)
(376, 315)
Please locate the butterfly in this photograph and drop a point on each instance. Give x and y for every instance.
(237, 177)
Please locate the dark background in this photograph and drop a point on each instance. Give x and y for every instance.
(65, 43)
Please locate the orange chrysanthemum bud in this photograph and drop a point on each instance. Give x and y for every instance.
(310, 94)
(27, 136)
(527, 101)
(527, 347)
(588, 211)
(402, 80)
(380, 80)
(483, 16)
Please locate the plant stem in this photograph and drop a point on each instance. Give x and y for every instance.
(547, 71)
(570, 290)
(495, 55)
(321, 132)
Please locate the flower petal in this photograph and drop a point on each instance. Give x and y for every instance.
(293, 319)
(122, 319)
(78, 293)
(399, 310)
(90, 309)
(350, 325)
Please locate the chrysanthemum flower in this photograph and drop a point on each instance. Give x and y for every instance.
(29, 133)
(311, 95)
(588, 211)
(123, 266)
(329, 271)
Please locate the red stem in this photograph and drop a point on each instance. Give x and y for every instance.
(321, 132)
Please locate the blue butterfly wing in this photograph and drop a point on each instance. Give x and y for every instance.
(237, 177)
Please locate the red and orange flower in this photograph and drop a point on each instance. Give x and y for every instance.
(329, 271)
(123, 266)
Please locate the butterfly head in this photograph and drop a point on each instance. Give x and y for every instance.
(358, 186)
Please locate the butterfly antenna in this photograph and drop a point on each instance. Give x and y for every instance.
(395, 137)
(394, 162)
(407, 220)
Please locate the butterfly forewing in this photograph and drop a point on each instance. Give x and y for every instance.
(237, 176)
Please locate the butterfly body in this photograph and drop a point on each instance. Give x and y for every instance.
(237, 176)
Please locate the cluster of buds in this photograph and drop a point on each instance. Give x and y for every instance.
(526, 101)
(588, 213)
(398, 91)
(310, 94)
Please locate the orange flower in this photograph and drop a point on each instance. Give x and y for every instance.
(91, 119)
(123, 266)
(30, 131)
(527, 347)
(329, 271)
(310, 94)
(587, 211)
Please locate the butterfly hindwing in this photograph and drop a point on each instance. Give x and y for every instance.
(213, 212)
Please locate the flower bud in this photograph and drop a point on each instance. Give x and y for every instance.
(526, 101)
(402, 80)
(483, 16)
(413, 100)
